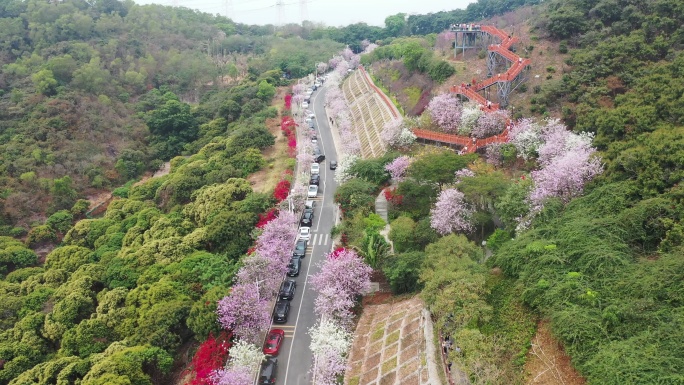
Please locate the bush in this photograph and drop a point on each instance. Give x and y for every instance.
(403, 272)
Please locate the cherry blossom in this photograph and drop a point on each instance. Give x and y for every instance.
(397, 168)
(244, 312)
(233, 376)
(526, 137)
(445, 110)
(491, 123)
(451, 213)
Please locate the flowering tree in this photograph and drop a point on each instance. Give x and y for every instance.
(446, 110)
(281, 190)
(397, 168)
(233, 376)
(342, 68)
(525, 135)
(347, 276)
(328, 335)
(321, 67)
(268, 272)
(342, 173)
(489, 124)
(332, 63)
(244, 312)
(469, 116)
(329, 344)
(354, 61)
(245, 355)
(365, 43)
(347, 53)
(396, 134)
(210, 356)
(565, 175)
(463, 173)
(329, 366)
(451, 213)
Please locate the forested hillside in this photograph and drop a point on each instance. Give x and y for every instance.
(79, 110)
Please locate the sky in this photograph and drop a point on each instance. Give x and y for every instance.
(329, 12)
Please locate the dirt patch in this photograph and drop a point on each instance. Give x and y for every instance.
(547, 363)
(266, 179)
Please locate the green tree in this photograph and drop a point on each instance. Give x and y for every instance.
(44, 81)
(439, 168)
(395, 25)
(403, 271)
(266, 91)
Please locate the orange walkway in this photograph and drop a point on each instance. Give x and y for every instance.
(470, 91)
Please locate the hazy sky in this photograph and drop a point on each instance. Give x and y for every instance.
(329, 12)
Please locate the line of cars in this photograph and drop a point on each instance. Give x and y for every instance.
(288, 287)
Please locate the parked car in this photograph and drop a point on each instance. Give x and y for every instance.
(269, 369)
(305, 233)
(315, 168)
(313, 191)
(282, 309)
(273, 341)
(333, 164)
(311, 115)
(318, 158)
(305, 105)
(300, 248)
(314, 140)
(287, 289)
(315, 179)
(294, 266)
(307, 218)
(310, 205)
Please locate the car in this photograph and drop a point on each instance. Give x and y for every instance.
(316, 150)
(307, 218)
(315, 179)
(294, 266)
(318, 158)
(311, 115)
(311, 125)
(314, 140)
(273, 341)
(305, 233)
(282, 309)
(315, 168)
(313, 191)
(333, 164)
(300, 248)
(269, 369)
(287, 289)
(305, 105)
(317, 84)
(310, 205)
(314, 87)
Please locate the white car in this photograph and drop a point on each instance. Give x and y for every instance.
(314, 140)
(310, 204)
(305, 233)
(305, 105)
(315, 168)
(313, 191)
(311, 116)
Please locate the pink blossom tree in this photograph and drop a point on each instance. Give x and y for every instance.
(396, 134)
(244, 312)
(269, 272)
(321, 67)
(329, 366)
(332, 63)
(463, 173)
(233, 376)
(397, 168)
(347, 53)
(565, 175)
(342, 68)
(490, 124)
(451, 213)
(347, 275)
(445, 110)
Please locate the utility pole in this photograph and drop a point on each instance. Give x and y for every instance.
(303, 13)
(280, 6)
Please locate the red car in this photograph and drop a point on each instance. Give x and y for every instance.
(273, 341)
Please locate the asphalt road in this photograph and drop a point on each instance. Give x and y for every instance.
(295, 358)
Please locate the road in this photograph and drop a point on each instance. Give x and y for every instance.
(295, 358)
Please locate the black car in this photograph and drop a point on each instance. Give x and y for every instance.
(294, 266)
(287, 289)
(333, 164)
(300, 248)
(269, 369)
(282, 309)
(307, 218)
(318, 158)
(315, 179)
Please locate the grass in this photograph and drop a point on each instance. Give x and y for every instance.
(392, 338)
(413, 95)
(354, 380)
(389, 365)
(378, 333)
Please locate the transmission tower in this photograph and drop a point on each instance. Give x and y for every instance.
(280, 6)
(229, 8)
(303, 12)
